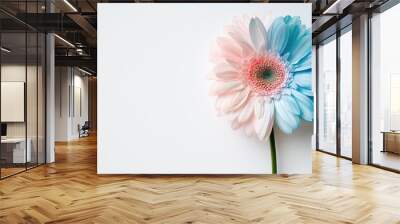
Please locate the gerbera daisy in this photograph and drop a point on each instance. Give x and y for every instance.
(262, 76)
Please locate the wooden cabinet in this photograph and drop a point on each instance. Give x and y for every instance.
(391, 142)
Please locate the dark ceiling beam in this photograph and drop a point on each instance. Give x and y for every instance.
(67, 51)
(91, 5)
(82, 61)
(335, 16)
(15, 18)
(86, 26)
(329, 15)
(52, 22)
(11, 25)
(321, 23)
(80, 20)
(331, 30)
(49, 22)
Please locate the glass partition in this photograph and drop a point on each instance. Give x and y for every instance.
(32, 95)
(41, 97)
(14, 155)
(327, 96)
(346, 93)
(22, 91)
(385, 89)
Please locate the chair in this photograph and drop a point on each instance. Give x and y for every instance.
(84, 130)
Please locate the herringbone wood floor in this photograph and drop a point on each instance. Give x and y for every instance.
(70, 191)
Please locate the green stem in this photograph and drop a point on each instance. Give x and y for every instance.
(273, 152)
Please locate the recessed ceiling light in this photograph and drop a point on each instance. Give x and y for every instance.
(70, 5)
(84, 71)
(64, 40)
(337, 7)
(5, 50)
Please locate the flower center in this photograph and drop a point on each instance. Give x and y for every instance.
(266, 74)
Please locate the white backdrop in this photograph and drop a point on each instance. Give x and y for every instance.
(12, 101)
(155, 115)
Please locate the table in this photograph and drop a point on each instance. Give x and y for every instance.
(13, 150)
(391, 141)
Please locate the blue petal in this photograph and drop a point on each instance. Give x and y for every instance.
(303, 64)
(277, 36)
(303, 79)
(295, 28)
(283, 124)
(257, 33)
(306, 59)
(287, 113)
(306, 105)
(302, 48)
(307, 92)
(288, 37)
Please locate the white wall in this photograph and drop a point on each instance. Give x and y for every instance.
(68, 82)
(16, 73)
(13, 101)
(62, 81)
(154, 111)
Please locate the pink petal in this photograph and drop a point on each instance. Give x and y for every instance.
(223, 67)
(263, 122)
(247, 112)
(229, 50)
(239, 99)
(227, 75)
(259, 107)
(235, 124)
(233, 102)
(223, 87)
(249, 127)
(228, 45)
(223, 71)
(243, 42)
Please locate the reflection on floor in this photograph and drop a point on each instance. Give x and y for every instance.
(387, 159)
(10, 169)
(346, 152)
(70, 191)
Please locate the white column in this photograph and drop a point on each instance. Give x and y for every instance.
(50, 99)
(360, 90)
